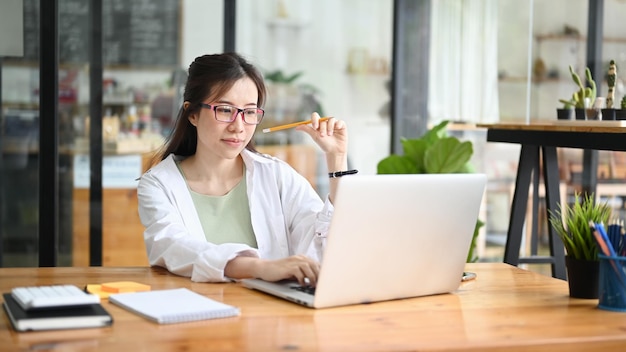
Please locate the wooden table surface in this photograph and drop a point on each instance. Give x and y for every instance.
(603, 126)
(505, 308)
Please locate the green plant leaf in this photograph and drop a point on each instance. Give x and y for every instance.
(468, 168)
(436, 133)
(279, 77)
(471, 257)
(396, 164)
(571, 223)
(414, 149)
(293, 77)
(447, 155)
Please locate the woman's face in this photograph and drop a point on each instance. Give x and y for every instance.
(225, 140)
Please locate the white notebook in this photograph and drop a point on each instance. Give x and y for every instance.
(173, 306)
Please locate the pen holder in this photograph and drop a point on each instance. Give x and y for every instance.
(612, 283)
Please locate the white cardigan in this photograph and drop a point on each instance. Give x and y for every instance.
(288, 218)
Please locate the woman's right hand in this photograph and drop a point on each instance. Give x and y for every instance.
(296, 267)
(331, 135)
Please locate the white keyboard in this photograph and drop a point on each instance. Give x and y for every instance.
(37, 297)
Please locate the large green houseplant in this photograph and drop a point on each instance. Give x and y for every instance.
(434, 152)
(571, 223)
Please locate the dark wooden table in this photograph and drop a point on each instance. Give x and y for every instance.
(540, 139)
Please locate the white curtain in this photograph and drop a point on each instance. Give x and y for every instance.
(464, 61)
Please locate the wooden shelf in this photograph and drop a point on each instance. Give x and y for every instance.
(519, 79)
(582, 38)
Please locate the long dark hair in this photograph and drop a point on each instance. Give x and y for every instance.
(210, 77)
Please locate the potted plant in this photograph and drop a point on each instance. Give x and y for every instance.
(286, 97)
(571, 223)
(620, 114)
(303, 95)
(567, 111)
(585, 96)
(434, 152)
(290, 101)
(608, 113)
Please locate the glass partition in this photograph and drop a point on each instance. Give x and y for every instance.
(333, 57)
(488, 61)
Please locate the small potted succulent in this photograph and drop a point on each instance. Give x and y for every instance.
(620, 114)
(608, 113)
(567, 111)
(584, 97)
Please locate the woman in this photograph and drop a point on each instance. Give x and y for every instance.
(215, 209)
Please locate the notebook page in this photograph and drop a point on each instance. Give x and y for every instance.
(173, 305)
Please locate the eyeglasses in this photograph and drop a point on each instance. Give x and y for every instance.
(228, 113)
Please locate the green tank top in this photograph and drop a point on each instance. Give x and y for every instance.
(225, 219)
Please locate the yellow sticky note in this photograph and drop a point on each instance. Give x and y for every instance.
(106, 289)
(97, 290)
(124, 286)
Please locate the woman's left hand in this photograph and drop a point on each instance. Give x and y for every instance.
(331, 135)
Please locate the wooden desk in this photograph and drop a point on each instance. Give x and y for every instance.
(505, 308)
(544, 137)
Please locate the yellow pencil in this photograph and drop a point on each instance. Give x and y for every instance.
(290, 125)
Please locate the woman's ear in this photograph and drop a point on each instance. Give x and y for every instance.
(193, 117)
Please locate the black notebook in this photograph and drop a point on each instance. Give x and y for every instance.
(89, 316)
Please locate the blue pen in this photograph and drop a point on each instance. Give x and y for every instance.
(622, 232)
(604, 246)
(614, 234)
(606, 239)
(607, 248)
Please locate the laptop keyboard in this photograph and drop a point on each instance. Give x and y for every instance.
(306, 289)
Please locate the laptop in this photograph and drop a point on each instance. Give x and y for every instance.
(392, 237)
